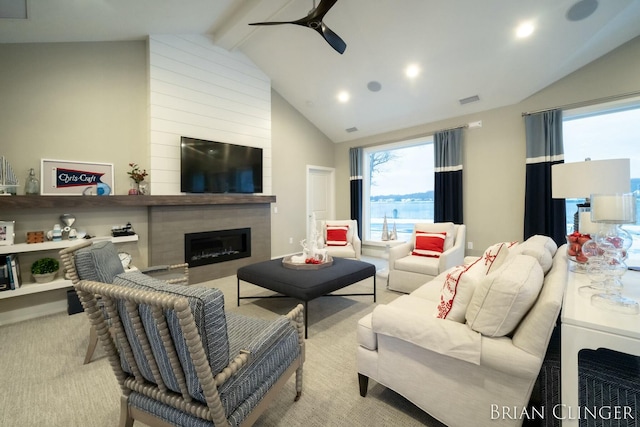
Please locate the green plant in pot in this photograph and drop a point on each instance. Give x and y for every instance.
(44, 270)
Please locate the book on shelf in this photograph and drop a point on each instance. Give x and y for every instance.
(5, 282)
(10, 273)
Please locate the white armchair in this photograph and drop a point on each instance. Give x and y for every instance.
(407, 272)
(353, 247)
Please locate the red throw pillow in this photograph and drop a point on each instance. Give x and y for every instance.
(337, 235)
(429, 244)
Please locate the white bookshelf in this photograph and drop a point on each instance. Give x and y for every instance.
(60, 283)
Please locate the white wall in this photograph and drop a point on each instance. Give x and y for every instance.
(74, 101)
(199, 90)
(296, 144)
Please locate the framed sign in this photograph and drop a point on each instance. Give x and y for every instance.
(71, 178)
(7, 232)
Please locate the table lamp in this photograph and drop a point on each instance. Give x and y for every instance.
(610, 211)
(579, 180)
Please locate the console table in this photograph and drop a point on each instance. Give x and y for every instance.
(587, 327)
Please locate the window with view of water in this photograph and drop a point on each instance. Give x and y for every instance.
(398, 185)
(605, 132)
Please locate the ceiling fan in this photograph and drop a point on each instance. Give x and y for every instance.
(313, 20)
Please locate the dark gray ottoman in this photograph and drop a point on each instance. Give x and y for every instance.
(306, 285)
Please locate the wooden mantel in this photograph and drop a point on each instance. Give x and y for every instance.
(42, 202)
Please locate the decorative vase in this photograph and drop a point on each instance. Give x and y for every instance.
(44, 278)
(385, 230)
(135, 189)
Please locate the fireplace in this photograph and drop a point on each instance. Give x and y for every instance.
(211, 247)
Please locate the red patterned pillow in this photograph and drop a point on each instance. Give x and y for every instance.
(337, 235)
(429, 244)
(457, 291)
(495, 255)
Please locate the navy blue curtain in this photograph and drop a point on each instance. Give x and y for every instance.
(355, 182)
(447, 206)
(542, 213)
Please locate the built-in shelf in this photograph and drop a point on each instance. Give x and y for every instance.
(34, 288)
(19, 248)
(61, 283)
(28, 202)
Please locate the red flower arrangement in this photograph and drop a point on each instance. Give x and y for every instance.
(136, 174)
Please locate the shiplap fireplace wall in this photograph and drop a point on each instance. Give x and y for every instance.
(200, 90)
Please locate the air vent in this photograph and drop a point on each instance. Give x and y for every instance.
(353, 129)
(13, 9)
(468, 100)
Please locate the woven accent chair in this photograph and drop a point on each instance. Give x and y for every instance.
(99, 261)
(180, 359)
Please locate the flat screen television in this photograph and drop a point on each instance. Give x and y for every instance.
(219, 167)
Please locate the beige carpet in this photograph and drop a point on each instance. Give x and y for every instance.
(43, 381)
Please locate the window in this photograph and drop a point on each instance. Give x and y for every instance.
(606, 131)
(398, 183)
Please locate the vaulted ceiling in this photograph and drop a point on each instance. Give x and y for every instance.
(460, 48)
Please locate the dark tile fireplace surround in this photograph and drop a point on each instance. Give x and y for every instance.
(168, 226)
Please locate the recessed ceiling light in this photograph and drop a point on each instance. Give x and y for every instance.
(412, 71)
(524, 30)
(344, 96)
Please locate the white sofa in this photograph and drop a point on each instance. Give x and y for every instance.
(408, 272)
(353, 248)
(468, 370)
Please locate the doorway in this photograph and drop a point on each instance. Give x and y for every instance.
(320, 193)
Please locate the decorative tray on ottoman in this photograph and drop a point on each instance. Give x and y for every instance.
(287, 263)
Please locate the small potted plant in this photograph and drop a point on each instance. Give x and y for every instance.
(44, 270)
(137, 175)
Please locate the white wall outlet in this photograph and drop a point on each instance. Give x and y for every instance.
(469, 245)
(290, 240)
(275, 209)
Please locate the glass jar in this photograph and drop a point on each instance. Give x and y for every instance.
(32, 185)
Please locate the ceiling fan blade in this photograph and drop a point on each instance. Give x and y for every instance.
(314, 21)
(272, 23)
(333, 39)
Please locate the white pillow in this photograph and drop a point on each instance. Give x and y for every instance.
(538, 251)
(492, 258)
(456, 293)
(545, 241)
(502, 299)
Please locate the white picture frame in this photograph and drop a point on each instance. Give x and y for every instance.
(74, 178)
(7, 232)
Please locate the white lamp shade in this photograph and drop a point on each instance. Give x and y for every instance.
(613, 208)
(579, 180)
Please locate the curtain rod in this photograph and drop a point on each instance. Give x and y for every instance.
(465, 126)
(585, 103)
(410, 138)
